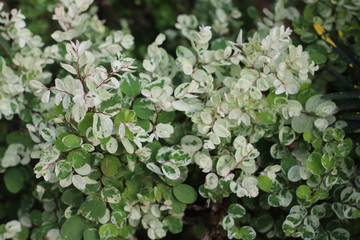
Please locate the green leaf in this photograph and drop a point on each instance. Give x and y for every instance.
(25, 115)
(108, 231)
(307, 136)
(73, 228)
(287, 162)
(177, 206)
(14, 180)
(88, 147)
(118, 217)
(179, 132)
(264, 183)
(36, 217)
(263, 222)
(110, 165)
(338, 134)
(303, 192)
(305, 94)
(59, 144)
(133, 188)
(178, 156)
(227, 222)
(283, 199)
(327, 161)
(343, 148)
(144, 124)
(236, 211)
(286, 135)
(165, 117)
(272, 96)
(6, 46)
(91, 234)
(278, 151)
(170, 170)
(174, 224)
(319, 195)
(24, 234)
(253, 12)
(130, 85)
(308, 37)
(93, 208)
(247, 233)
(340, 234)
(58, 110)
(85, 124)
(185, 193)
(219, 43)
(314, 164)
(144, 108)
(306, 232)
(104, 140)
(317, 144)
(111, 104)
(111, 194)
(72, 197)
(72, 141)
(319, 211)
(199, 230)
(125, 116)
(18, 137)
(126, 232)
(267, 116)
(154, 146)
(316, 48)
(318, 58)
(288, 226)
(324, 9)
(77, 158)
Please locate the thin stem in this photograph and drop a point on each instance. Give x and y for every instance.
(110, 75)
(81, 78)
(55, 89)
(59, 157)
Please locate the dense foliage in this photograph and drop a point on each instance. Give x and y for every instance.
(209, 132)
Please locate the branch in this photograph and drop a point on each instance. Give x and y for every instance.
(110, 75)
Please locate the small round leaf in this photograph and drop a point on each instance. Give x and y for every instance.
(185, 193)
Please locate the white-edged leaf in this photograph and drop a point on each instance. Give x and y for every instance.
(153, 167)
(68, 68)
(127, 145)
(102, 125)
(170, 170)
(112, 145)
(220, 130)
(79, 182)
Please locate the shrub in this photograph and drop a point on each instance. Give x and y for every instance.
(230, 128)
